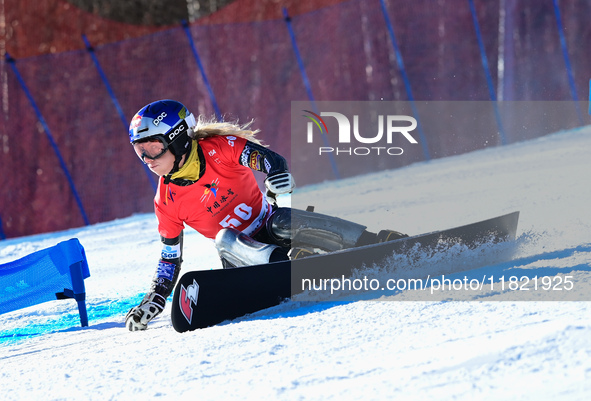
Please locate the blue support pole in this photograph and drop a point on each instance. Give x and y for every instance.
(10, 61)
(307, 85)
(2, 235)
(484, 59)
(115, 102)
(202, 70)
(569, 71)
(405, 79)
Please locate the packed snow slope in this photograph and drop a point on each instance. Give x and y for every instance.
(495, 344)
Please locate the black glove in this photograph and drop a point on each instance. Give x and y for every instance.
(139, 316)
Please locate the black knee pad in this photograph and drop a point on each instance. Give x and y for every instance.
(279, 227)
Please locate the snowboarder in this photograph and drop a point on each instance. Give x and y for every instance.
(206, 182)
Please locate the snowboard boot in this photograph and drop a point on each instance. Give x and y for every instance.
(306, 230)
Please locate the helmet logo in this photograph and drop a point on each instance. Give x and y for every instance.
(158, 119)
(135, 122)
(180, 129)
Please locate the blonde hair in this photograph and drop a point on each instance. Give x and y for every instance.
(212, 127)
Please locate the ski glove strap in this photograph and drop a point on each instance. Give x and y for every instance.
(150, 307)
(280, 183)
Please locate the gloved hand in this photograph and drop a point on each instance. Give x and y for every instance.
(279, 183)
(139, 316)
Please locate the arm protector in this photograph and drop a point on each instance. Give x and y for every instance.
(260, 158)
(169, 266)
(163, 283)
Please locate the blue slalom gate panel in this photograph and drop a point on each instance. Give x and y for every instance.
(46, 275)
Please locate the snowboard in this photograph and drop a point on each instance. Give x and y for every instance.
(207, 297)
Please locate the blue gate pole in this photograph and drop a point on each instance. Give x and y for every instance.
(115, 101)
(405, 79)
(484, 59)
(214, 102)
(2, 235)
(569, 71)
(307, 85)
(12, 62)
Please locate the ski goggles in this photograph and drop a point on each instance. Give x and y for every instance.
(151, 148)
